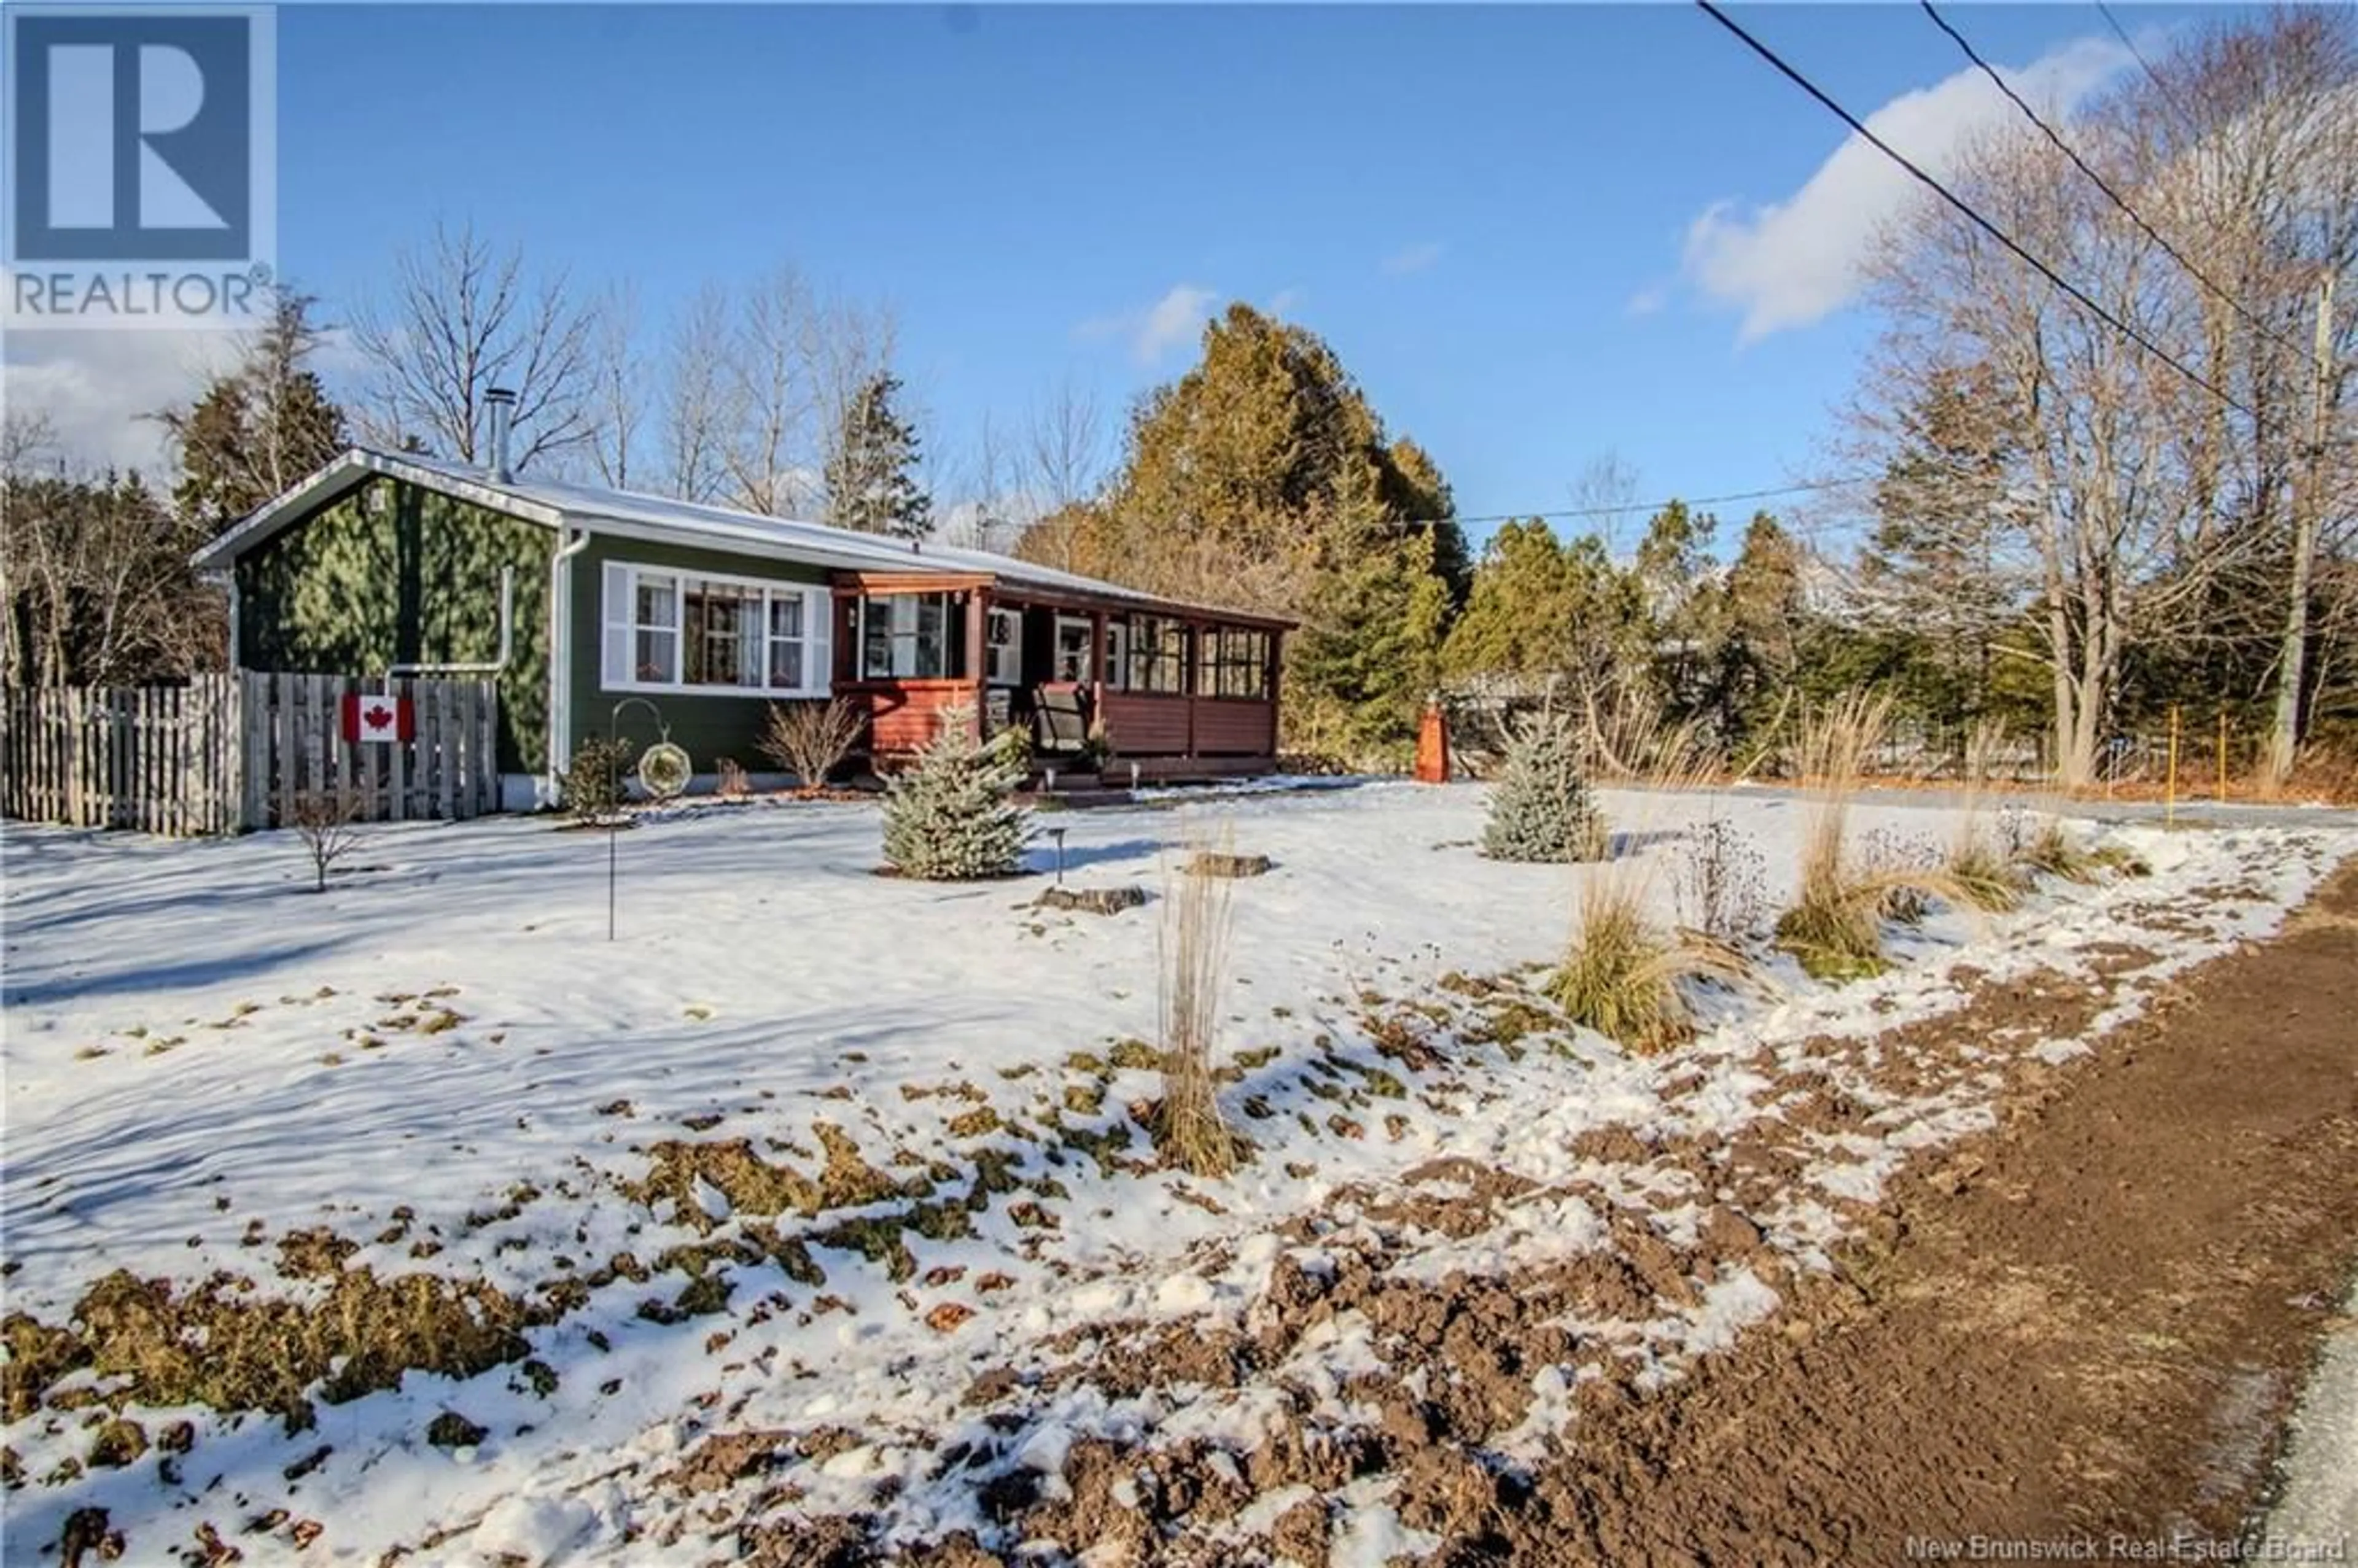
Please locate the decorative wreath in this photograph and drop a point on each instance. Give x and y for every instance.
(665, 770)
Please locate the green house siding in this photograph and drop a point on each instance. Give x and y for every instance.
(707, 727)
(394, 574)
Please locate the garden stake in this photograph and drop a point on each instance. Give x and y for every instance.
(2169, 799)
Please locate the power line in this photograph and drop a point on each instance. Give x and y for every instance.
(2098, 180)
(1994, 232)
(2135, 54)
(1646, 506)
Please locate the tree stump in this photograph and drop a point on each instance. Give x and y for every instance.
(1095, 901)
(1215, 865)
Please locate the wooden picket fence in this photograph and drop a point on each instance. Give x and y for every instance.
(227, 751)
(295, 746)
(152, 758)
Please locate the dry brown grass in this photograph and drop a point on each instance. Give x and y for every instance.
(1625, 973)
(756, 1187)
(1835, 924)
(2051, 852)
(1191, 950)
(221, 1345)
(1976, 860)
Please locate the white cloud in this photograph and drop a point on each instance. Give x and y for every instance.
(1795, 262)
(1157, 328)
(1415, 259)
(96, 388)
(1648, 299)
(1285, 301)
(1173, 319)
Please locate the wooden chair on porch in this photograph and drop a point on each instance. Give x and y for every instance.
(1060, 720)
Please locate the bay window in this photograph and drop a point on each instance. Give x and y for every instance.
(706, 634)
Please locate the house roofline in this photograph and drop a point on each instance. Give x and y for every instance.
(344, 474)
(357, 465)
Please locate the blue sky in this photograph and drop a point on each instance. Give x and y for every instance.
(1508, 220)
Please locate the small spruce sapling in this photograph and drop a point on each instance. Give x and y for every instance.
(1540, 808)
(953, 816)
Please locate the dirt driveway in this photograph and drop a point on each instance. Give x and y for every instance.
(2088, 1332)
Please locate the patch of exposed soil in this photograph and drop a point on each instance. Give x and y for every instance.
(2098, 1330)
(2088, 1320)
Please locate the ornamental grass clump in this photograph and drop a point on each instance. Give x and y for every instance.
(1985, 873)
(1540, 808)
(1625, 973)
(1835, 924)
(953, 816)
(1192, 948)
(2051, 850)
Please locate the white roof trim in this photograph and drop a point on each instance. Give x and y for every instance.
(348, 473)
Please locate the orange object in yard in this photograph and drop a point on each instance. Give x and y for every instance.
(1433, 745)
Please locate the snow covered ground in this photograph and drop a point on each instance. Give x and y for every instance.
(808, 1150)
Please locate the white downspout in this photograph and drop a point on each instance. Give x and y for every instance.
(560, 659)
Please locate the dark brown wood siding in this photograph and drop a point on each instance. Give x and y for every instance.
(1234, 727)
(904, 715)
(1141, 726)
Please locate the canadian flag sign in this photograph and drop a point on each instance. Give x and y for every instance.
(370, 716)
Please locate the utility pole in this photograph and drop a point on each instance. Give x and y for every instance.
(2309, 519)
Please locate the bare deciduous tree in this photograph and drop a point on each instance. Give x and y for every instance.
(1606, 491)
(462, 316)
(1066, 448)
(695, 398)
(617, 378)
(325, 819)
(773, 396)
(2090, 501)
(95, 573)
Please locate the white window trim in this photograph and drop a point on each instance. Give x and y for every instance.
(952, 648)
(1088, 646)
(618, 611)
(1013, 649)
(1116, 673)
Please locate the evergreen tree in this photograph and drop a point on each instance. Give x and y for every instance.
(1521, 610)
(871, 482)
(952, 816)
(1540, 808)
(1262, 478)
(259, 428)
(1369, 652)
(1932, 576)
(1761, 625)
